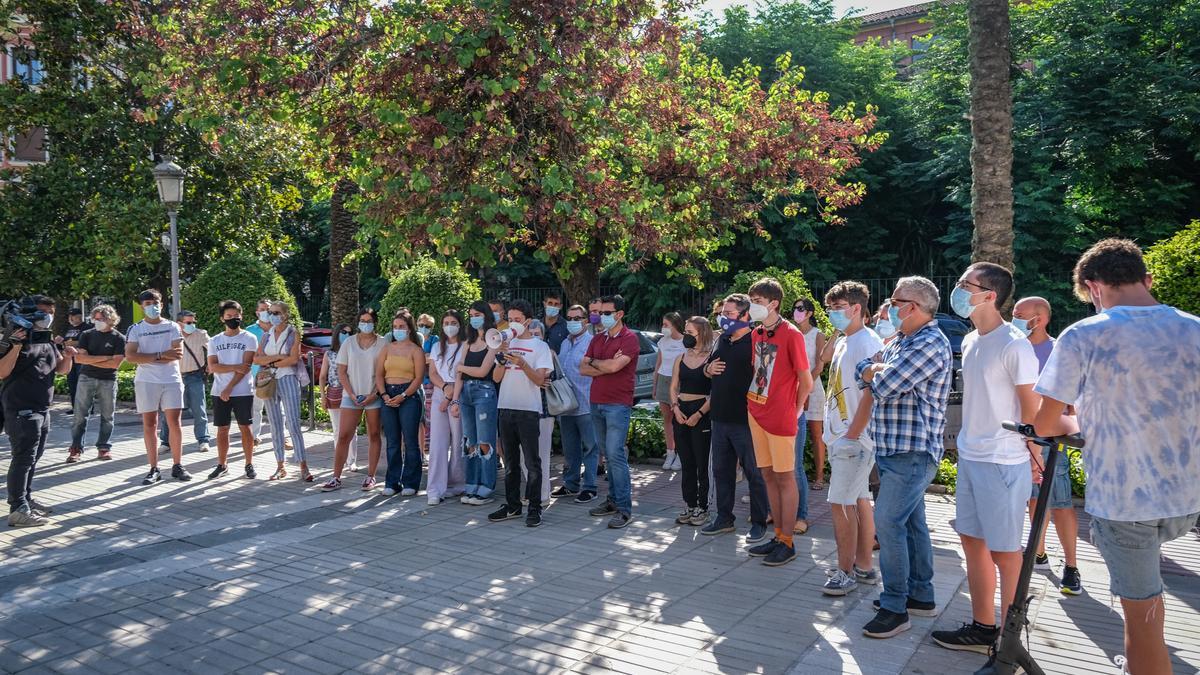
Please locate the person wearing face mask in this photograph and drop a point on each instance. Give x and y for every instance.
(909, 385)
(399, 371)
(259, 328)
(1032, 316)
(690, 390)
(670, 348)
(525, 370)
(594, 319)
(883, 325)
(556, 328)
(76, 325)
(1130, 373)
(194, 368)
(474, 403)
(101, 351)
(815, 342)
(331, 392)
(28, 364)
(580, 453)
(428, 339)
(156, 346)
(499, 313)
(446, 477)
(280, 352)
(537, 329)
(995, 476)
(230, 355)
(356, 373)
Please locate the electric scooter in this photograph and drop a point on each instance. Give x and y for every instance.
(1011, 656)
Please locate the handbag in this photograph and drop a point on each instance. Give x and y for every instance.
(560, 394)
(333, 397)
(265, 382)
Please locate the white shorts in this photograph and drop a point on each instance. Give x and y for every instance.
(153, 396)
(849, 471)
(816, 403)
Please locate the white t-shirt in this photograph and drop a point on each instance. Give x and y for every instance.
(446, 362)
(671, 349)
(360, 364)
(230, 350)
(844, 394)
(152, 338)
(993, 366)
(1131, 373)
(517, 391)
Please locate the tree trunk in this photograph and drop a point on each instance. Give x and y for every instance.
(343, 274)
(991, 132)
(581, 280)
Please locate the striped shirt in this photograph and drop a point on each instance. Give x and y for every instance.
(911, 393)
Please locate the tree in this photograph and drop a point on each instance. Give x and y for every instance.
(238, 276)
(1174, 263)
(991, 131)
(430, 287)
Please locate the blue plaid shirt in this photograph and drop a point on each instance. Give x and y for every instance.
(570, 355)
(911, 394)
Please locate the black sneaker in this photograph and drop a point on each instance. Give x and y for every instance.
(218, 471)
(914, 607)
(563, 491)
(1041, 562)
(782, 554)
(606, 509)
(886, 624)
(764, 550)
(585, 497)
(180, 473)
(250, 472)
(600, 471)
(970, 637)
(1071, 583)
(503, 513)
(619, 520)
(533, 518)
(153, 477)
(714, 528)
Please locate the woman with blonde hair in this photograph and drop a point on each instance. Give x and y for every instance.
(279, 351)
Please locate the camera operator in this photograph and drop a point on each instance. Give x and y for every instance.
(28, 366)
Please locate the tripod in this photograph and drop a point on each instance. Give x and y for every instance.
(1011, 656)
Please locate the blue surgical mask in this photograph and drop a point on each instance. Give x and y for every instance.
(960, 302)
(496, 317)
(477, 322)
(152, 312)
(894, 317)
(366, 327)
(275, 319)
(839, 319)
(574, 327)
(264, 316)
(399, 334)
(1022, 325)
(424, 331)
(551, 312)
(607, 321)
(885, 329)
(189, 328)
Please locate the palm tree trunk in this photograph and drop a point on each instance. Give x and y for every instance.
(343, 274)
(990, 53)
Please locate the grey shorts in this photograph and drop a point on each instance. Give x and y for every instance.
(153, 396)
(990, 503)
(1132, 549)
(849, 472)
(1060, 489)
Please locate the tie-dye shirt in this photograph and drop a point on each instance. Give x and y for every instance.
(1133, 375)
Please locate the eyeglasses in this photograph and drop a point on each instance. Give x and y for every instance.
(576, 318)
(275, 313)
(962, 283)
(896, 301)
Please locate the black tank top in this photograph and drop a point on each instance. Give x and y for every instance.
(474, 359)
(693, 380)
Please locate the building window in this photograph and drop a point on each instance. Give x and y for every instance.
(28, 146)
(26, 66)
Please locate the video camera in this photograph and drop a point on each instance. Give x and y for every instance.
(21, 314)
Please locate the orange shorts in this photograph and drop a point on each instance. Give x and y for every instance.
(777, 453)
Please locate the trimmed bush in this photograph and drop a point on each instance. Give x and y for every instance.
(794, 288)
(237, 276)
(1175, 264)
(429, 287)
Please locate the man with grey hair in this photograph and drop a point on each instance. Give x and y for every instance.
(910, 385)
(100, 352)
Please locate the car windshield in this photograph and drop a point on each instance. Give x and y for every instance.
(319, 340)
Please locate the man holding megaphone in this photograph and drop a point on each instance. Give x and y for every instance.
(525, 368)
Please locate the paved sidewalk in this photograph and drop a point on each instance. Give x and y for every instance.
(239, 576)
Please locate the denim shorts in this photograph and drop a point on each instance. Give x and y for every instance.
(349, 404)
(1131, 550)
(990, 503)
(849, 471)
(1060, 490)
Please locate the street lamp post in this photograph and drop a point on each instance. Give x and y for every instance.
(169, 177)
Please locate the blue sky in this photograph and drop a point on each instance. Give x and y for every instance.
(842, 6)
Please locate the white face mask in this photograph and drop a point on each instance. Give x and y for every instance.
(100, 325)
(758, 312)
(450, 330)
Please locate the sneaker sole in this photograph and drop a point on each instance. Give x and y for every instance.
(836, 592)
(24, 525)
(1071, 591)
(723, 530)
(779, 563)
(510, 516)
(911, 611)
(223, 473)
(619, 526)
(529, 524)
(867, 581)
(887, 634)
(979, 649)
(589, 500)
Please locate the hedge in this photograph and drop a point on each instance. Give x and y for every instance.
(237, 276)
(794, 288)
(430, 287)
(1174, 263)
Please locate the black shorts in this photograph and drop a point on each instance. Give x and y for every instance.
(236, 406)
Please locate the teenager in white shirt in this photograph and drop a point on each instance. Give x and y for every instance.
(156, 345)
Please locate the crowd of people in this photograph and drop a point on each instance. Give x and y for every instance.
(739, 392)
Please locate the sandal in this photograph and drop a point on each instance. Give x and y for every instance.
(279, 474)
(818, 485)
(307, 478)
(800, 528)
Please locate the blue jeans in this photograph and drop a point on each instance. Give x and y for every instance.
(611, 423)
(98, 395)
(401, 424)
(194, 400)
(477, 409)
(905, 552)
(801, 477)
(579, 452)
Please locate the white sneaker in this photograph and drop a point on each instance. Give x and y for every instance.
(388, 492)
(163, 448)
(407, 492)
(204, 447)
(25, 517)
(745, 499)
(433, 500)
(669, 461)
(678, 465)
(353, 468)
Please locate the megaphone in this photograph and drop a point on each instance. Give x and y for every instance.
(494, 338)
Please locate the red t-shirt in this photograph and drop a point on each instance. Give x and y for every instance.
(772, 396)
(615, 387)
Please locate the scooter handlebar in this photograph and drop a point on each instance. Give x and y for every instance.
(1026, 430)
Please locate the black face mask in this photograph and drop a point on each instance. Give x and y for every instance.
(233, 324)
(689, 341)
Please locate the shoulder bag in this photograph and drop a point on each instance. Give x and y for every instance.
(560, 394)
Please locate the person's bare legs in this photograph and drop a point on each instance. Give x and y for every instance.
(374, 441)
(1066, 524)
(981, 579)
(1009, 564)
(815, 430)
(769, 478)
(175, 434)
(845, 534)
(786, 494)
(1145, 648)
(865, 558)
(150, 437)
(247, 443)
(222, 445)
(347, 425)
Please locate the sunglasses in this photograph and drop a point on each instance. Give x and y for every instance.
(609, 312)
(275, 313)
(576, 317)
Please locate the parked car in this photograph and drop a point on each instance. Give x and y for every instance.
(647, 357)
(316, 341)
(955, 329)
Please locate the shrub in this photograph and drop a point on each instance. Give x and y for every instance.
(124, 385)
(794, 288)
(646, 435)
(238, 276)
(429, 287)
(1175, 264)
(947, 475)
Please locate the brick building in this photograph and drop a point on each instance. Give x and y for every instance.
(20, 147)
(908, 25)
